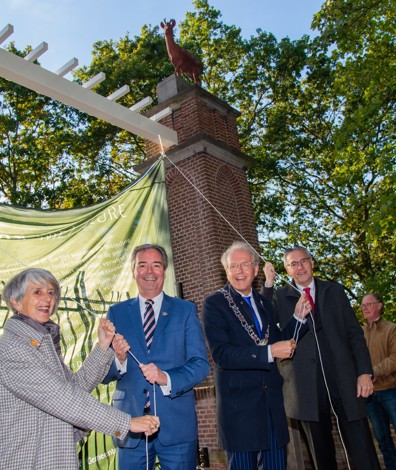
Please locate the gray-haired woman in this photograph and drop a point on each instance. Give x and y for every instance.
(43, 405)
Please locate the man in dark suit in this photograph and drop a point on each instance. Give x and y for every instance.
(332, 369)
(165, 335)
(245, 341)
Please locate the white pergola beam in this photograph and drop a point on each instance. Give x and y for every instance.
(6, 32)
(162, 114)
(37, 52)
(119, 93)
(42, 81)
(98, 78)
(141, 104)
(68, 67)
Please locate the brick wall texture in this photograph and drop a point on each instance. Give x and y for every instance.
(210, 206)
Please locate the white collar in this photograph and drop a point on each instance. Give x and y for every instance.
(311, 287)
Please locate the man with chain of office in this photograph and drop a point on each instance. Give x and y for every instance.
(246, 345)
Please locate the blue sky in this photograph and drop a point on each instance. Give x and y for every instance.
(70, 27)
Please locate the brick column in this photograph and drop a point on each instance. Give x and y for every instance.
(209, 155)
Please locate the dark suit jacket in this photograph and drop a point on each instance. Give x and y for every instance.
(346, 348)
(248, 387)
(178, 348)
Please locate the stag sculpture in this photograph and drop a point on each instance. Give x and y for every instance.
(183, 60)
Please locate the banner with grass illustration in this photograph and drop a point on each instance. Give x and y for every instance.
(88, 250)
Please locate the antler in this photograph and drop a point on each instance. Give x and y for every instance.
(171, 24)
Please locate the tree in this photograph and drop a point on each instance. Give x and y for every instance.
(326, 176)
(53, 156)
(220, 47)
(37, 136)
(141, 63)
(318, 115)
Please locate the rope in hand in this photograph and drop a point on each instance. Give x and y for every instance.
(283, 279)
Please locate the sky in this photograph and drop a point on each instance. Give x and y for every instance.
(71, 27)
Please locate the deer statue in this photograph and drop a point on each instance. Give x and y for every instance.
(182, 59)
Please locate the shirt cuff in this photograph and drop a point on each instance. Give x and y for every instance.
(166, 389)
(270, 358)
(122, 368)
(302, 320)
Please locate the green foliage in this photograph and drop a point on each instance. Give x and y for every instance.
(220, 47)
(53, 156)
(318, 115)
(37, 135)
(326, 176)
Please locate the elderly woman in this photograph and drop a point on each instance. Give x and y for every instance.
(43, 405)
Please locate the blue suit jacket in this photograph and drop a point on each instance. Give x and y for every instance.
(178, 348)
(248, 387)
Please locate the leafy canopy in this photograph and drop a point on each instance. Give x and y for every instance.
(317, 114)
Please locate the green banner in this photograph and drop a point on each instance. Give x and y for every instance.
(88, 250)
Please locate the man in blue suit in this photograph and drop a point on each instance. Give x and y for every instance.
(245, 342)
(173, 359)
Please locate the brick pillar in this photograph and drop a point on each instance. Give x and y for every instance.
(209, 155)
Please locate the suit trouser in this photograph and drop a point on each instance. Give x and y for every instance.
(355, 434)
(175, 457)
(272, 459)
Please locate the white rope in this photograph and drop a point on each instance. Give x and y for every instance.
(297, 326)
(138, 362)
(328, 392)
(147, 452)
(163, 155)
(299, 323)
(13, 257)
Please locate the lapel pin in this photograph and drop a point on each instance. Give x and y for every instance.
(164, 314)
(35, 343)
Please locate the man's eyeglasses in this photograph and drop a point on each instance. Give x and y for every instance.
(369, 304)
(234, 267)
(302, 262)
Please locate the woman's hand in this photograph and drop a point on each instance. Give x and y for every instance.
(148, 424)
(106, 332)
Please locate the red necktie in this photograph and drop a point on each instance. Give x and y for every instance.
(307, 291)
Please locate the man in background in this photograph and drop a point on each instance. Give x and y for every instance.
(331, 369)
(380, 336)
(165, 336)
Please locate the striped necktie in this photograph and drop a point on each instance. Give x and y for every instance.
(149, 323)
(148, 328)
